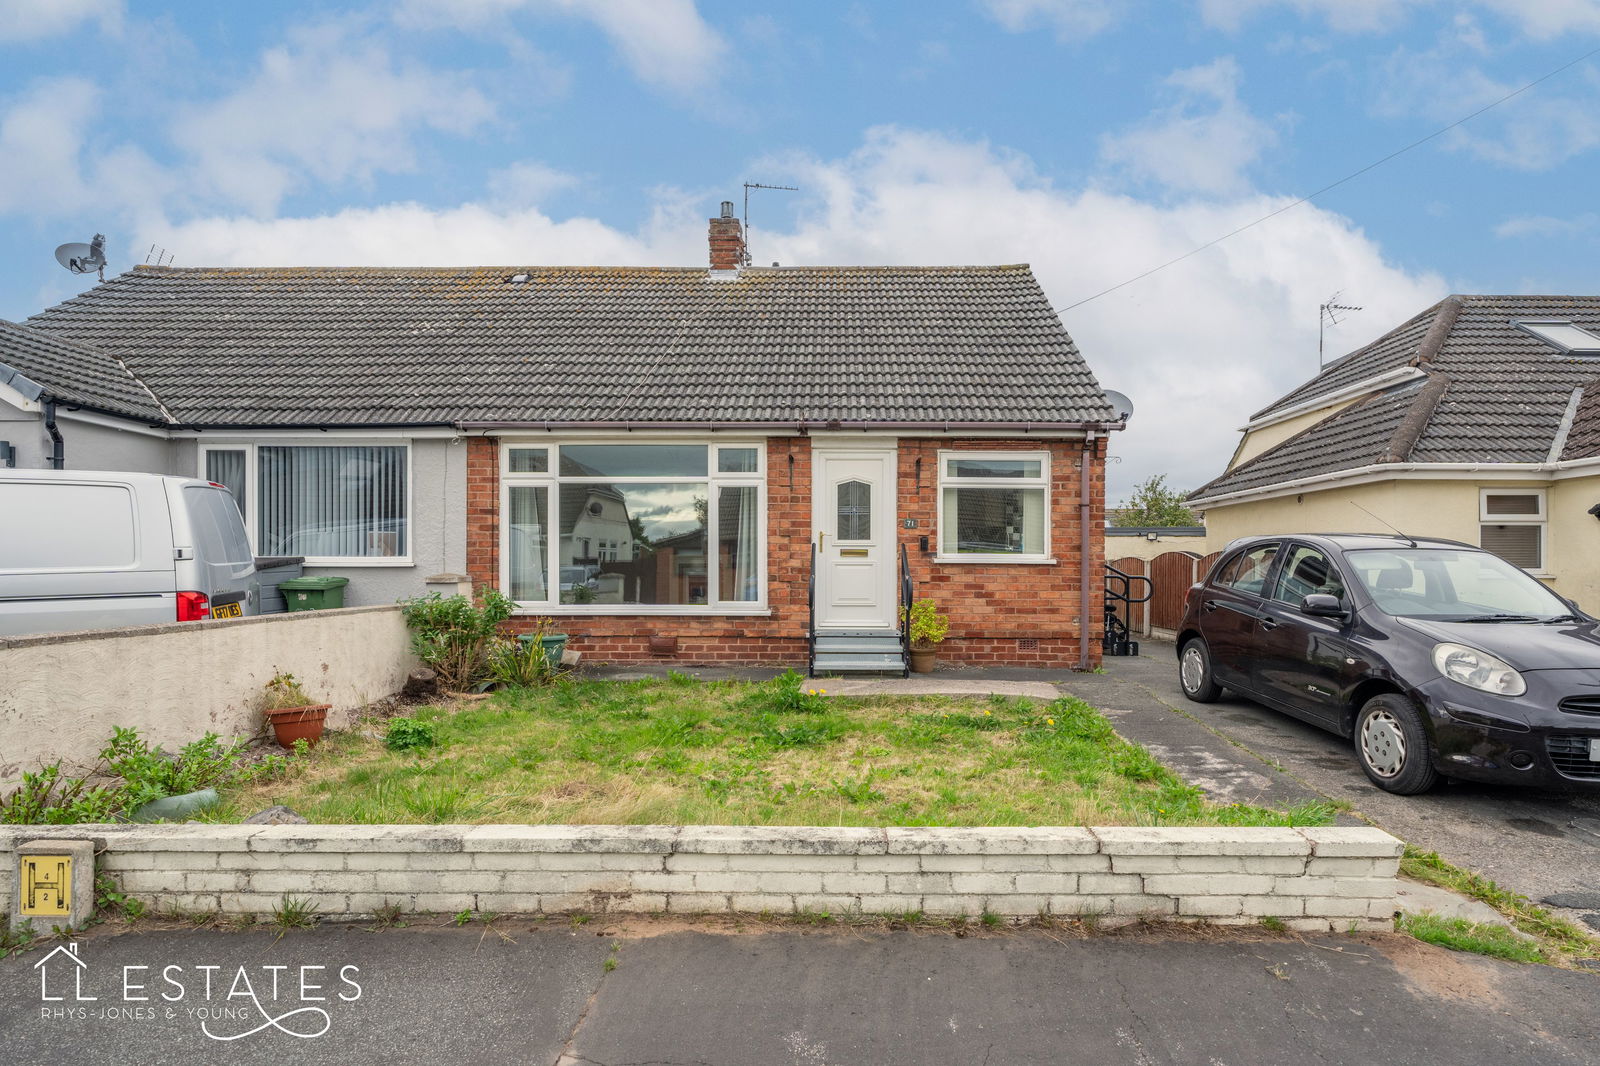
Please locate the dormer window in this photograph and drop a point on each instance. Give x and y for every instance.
(1562, 335)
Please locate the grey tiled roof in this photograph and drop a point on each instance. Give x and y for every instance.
(1353, 437)
(585, 344)
(76, 374)
(1506, 397)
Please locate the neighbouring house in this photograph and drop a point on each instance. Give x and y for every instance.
(649, 456)
(1477, 420)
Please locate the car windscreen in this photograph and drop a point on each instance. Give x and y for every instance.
(1452, 584)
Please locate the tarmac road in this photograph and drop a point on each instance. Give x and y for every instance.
(722, 995)
(1545, 845)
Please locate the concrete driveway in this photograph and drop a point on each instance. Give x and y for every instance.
(721, 993)
(1545, 845)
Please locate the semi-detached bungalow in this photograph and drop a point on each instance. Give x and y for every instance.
(712, 464)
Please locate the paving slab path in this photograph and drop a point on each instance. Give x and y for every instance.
(541, 992)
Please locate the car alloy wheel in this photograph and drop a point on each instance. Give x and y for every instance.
(1383, 744)
(1194, 672)
(1192, 668)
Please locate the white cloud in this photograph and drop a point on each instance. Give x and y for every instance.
(1203, 142)
(34, 20)
(41, 140)
(664, 42)
(1072, 20)
(1534, 131)
(1547, 225)
(1538, 19)
(326, 106)
(1198, 347)
(527, 183)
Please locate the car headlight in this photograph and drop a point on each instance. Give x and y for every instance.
(1477, 669)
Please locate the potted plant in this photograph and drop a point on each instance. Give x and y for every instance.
(928, 628)
(291, 713)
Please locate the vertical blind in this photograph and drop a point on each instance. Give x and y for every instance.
(226, 468)
(342, 502)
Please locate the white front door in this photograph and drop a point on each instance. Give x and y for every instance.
(853, 528)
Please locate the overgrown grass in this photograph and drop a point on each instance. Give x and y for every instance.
(1559, 937)
(1480, 938)
(678, 751)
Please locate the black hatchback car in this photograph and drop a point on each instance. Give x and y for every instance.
(1436, 658)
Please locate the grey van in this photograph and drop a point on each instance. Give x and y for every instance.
(89, 549)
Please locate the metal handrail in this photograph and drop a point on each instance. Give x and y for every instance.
(907, 597)
(811, 615)
(1118, 629)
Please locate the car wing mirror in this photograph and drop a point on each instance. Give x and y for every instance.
(1322, 605)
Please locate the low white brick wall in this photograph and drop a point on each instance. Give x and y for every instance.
(61, 693)
(1311, 879)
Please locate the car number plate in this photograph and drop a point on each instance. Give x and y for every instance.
(1594, 749)
(226, 610)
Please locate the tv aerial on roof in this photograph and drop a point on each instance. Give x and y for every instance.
(81, 258)
(1120, 404)
(1328, 315)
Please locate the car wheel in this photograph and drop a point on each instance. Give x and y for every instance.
(1393, 747)
(1194, 672)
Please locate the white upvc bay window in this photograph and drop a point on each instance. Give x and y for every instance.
(335, 504)
(994, 506)
(602, 527)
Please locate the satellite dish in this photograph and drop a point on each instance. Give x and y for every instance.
(1120, 404)
(82, 258)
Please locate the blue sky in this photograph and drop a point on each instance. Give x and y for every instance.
(1091, 138)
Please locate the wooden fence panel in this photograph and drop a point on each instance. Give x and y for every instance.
(1171, 573)
(1139, 614)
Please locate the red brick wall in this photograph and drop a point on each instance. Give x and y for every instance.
(1008, 613)
(992, 607)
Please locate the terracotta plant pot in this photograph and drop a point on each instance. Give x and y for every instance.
(299, 723)
(922, 660)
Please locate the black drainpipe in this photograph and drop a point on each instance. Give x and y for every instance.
(58, 447)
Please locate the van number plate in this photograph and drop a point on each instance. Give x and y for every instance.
(1594, 749)
(226, 610)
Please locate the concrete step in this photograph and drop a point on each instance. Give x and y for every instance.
(857, 662)
(895, 633)
(871, 645)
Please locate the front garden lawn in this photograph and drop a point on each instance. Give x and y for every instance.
(680, 751)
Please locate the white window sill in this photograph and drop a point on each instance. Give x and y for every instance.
(990, 560)
(395, 561)
(663, 610)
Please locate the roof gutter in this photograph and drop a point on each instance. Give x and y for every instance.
(1383, 471)
(802, 426)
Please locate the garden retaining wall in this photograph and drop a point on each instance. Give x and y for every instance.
(62, 692)
(1311, 879)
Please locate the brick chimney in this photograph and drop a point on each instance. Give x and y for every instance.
(727, 240)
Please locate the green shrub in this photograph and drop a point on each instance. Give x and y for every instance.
(410, 734)
(928, 626)
(453, 635)
(135, 774)
(519, 664)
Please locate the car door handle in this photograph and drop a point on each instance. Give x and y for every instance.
(1209, 605)
(1269, 622)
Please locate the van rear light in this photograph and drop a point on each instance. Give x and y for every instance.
(193, 606)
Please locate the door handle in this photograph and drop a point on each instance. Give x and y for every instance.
(822, 539)
(1269, 622)
(1209, 605)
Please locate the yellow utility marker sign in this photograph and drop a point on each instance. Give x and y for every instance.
(46, 885)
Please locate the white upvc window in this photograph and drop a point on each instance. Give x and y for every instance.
(603, 526)
(336, 504)
(1512, 524)
(994, 507)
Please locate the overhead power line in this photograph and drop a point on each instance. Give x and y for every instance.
(1334, 185)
